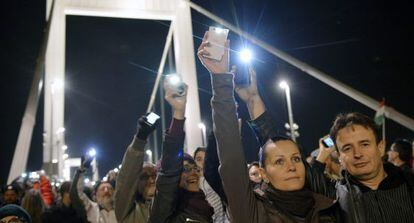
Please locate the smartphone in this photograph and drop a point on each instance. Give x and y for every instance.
(176, 83)
(217, 38)
(241, 75)
(152, 118)
(328, 142)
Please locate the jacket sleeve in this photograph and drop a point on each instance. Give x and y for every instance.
(77, 203)
(211, 166)
(263, 127)
(127, 180)
(316, 180)
(168, 178)
(243, 204)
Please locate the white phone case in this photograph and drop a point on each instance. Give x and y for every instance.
(217, 38)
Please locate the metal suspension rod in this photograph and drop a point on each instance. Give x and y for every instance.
(161, 67)
(325, 78)
(24, 139)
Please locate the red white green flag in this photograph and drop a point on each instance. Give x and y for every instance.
(380, 114)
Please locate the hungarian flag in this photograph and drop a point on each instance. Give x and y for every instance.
(380, 114)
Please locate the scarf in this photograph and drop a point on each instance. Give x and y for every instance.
(195, 202)
(295, 203)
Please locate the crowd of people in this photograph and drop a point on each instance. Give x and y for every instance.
(351, 181)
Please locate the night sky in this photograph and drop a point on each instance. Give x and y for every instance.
(365, 44)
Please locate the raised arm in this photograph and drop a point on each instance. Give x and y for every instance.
(263, 126)
(242, 202)
(127, 181)
(168, 178)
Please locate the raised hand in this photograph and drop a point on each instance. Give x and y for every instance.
(249, 93)
(324, 152)
(176, 100)
(213, 66)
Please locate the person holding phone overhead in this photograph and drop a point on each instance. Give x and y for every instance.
(178, 197)
(285, 199)
(136, 179)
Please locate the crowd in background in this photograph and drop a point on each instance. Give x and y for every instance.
(355, 180)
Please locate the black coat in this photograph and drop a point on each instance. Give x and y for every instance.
(61, 214)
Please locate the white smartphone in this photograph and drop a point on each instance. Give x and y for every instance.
(217, 38)
(152, 118)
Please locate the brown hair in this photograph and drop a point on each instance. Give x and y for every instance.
(354, 118)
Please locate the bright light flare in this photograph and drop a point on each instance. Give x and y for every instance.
(65, 156)
(201, 125)
(148, 152)
(246, 55)
(92, 152)
(283, 85)
(219, 30)
(174, 79)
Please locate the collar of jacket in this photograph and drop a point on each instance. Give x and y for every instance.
(394, 179)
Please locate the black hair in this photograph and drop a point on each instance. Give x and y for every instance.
(199, 149)
(404, 149)
(262, 151)
(344, 120)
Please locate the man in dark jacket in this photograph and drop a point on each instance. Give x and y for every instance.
(370, 190)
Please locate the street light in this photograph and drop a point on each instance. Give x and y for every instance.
(292, 126)
(203, 133)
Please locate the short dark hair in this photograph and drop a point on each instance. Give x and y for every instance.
(199, 149)
(344, 120)
(404, 149)
(262, 151)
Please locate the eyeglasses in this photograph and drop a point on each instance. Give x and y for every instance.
(189, 168)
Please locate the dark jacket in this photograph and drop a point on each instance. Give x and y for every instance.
(62, 214)
(211, 166)
(167, 207)
(244, 204)
(347, 192)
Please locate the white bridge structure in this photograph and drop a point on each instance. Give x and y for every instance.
(51, 61)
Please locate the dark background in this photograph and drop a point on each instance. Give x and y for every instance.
(365, 44)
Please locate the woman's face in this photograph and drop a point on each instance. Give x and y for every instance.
(284, 168)
(190, 177)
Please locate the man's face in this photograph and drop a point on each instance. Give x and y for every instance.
(10, 197)
(199, 159)
(104, 193)
(149, 190)
(190, 177)
(359, 152)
